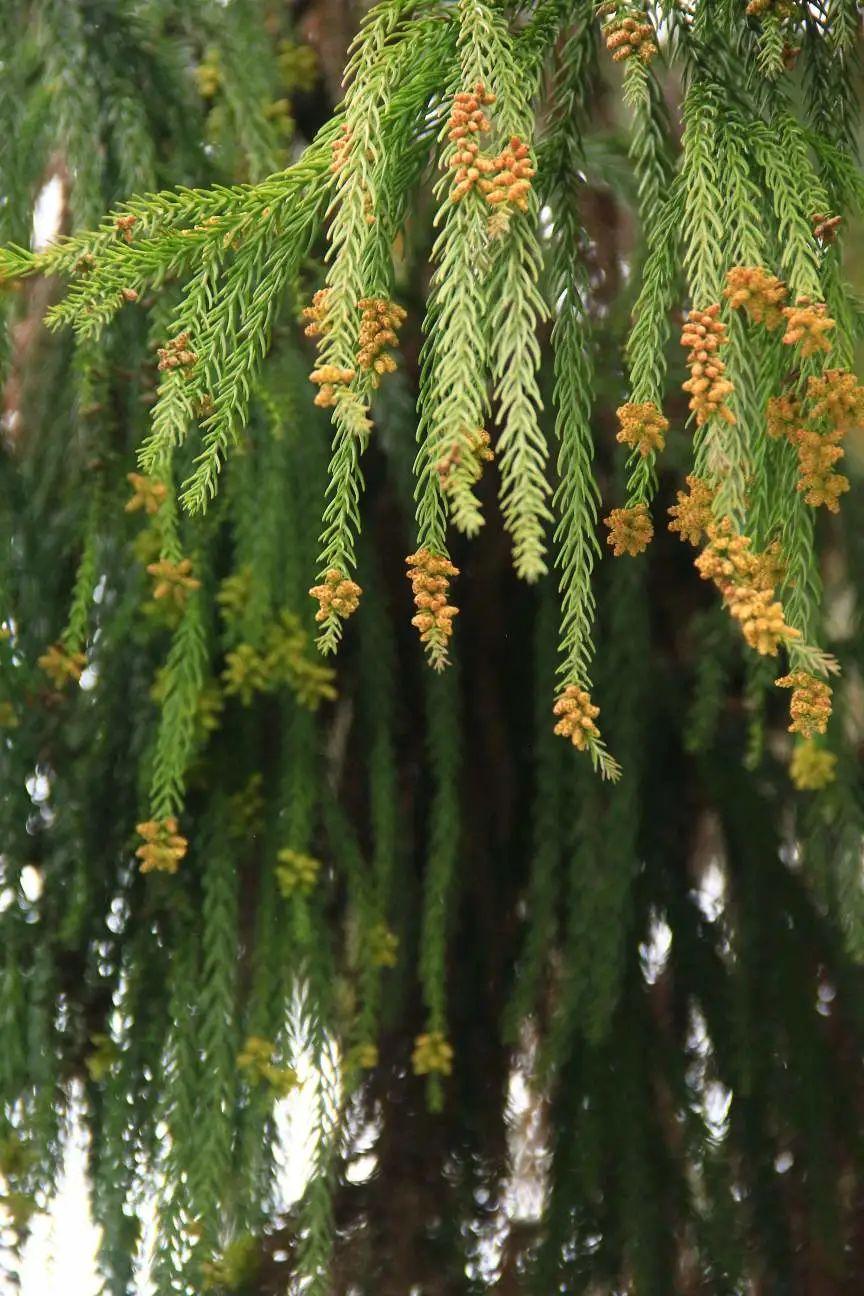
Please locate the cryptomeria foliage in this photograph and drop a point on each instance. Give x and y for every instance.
(553, 910)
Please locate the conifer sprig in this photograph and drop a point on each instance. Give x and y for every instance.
(517, 310)
(180, 689)
(357, 168)
(577, 496)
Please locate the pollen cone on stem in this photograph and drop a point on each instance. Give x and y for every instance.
(630, 530)
(430, 576)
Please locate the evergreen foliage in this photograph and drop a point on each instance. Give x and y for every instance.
(597, 839)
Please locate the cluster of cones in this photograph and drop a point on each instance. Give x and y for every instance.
(462, 464)
(510, 176)
(703, 335)
(810, 707)
(630, 36)
(163, 847)
(630, 530)
(147, 494)
(327, 377)
(692, 515)
(173, 580)
(807, 326)
(815, 429)
(336, 595)
(760, 294)
(746, 581)
(576, 715)
(176, 354)
(430, 576)
(431, 1054)
(763, 296)
(379, 322)
(125, 225)
(781, 9)
(504, 178)
(296, 873)
(61, 665)
(642, 426)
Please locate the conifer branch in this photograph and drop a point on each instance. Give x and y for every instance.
(180, 689)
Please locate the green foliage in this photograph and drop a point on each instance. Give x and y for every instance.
(396, 902)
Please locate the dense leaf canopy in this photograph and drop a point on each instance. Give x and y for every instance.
(507, 938)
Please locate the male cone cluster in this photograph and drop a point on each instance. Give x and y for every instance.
(642, 426)
(163, 847)
(703, 335)
(810, 706)
(746, 581)
(576, 715)
(176, 354)
(815, 428)
(430, 576)
(336, 595)
(630, 530)
(630, 36)
(504, 178)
